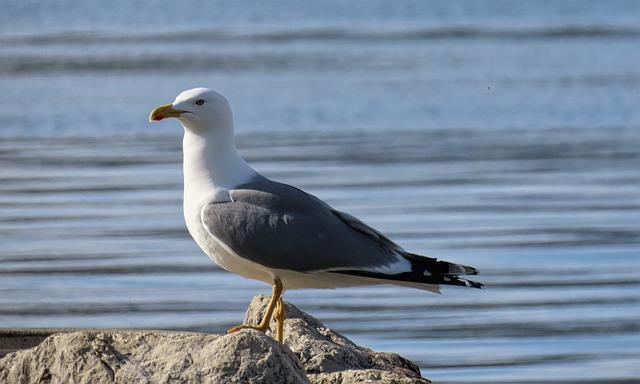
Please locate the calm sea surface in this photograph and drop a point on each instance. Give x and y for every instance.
(505, 135)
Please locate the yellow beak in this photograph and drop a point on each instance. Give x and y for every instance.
(164, 111)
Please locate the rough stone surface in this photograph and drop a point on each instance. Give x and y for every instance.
(153, 357)
(313, 353)
(330, 358)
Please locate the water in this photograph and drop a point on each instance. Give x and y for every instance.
(503, 135)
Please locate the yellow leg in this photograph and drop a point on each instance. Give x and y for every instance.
(276, 293)
(280, 320)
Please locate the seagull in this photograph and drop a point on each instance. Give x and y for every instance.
(276, 233)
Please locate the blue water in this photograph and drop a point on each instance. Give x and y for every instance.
(505, 135)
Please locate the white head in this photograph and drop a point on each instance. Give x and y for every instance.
(210, 156)
(200, 111)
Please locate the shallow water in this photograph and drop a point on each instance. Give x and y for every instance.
(506, 138)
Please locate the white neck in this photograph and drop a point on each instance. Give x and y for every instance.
(212, 163)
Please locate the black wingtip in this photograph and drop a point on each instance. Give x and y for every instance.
(457, 280)
(412, 277)
(466, 270)
(473, 284)
(425, 270)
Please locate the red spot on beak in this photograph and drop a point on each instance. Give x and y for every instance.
(162, 112)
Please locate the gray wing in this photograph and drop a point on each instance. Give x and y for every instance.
(279, 226)
(358, 225)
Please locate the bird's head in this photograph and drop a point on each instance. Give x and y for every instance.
(199, 110)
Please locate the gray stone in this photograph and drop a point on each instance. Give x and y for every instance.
(330, 358)
(313, 353)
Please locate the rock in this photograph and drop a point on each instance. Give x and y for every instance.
(330, 358)
(313, 353)
(153, 357)
(14, 339)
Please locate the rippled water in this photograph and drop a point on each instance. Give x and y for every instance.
(502, 137)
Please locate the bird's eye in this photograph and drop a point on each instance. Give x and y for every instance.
(199, 101)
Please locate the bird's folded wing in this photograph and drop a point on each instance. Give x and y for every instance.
(282, 227)
(358, 225)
